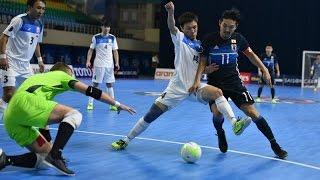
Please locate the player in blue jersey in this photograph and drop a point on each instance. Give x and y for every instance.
(221, 51)
(19, 41)
(106, 47)
(270, 61)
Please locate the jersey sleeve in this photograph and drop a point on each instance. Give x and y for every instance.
(93, 43)
(115, 44)
(243, 43)
(67, 81)
(177, 38)
(13, 27)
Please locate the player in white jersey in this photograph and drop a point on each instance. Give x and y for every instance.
(187, 53)
(19, 41)
(106, 47)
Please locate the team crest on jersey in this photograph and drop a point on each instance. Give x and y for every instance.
(38, 30)
(216, 47)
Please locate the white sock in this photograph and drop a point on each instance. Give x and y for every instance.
(225, 108)
(90, 100)
(138, 128)
(110, 91)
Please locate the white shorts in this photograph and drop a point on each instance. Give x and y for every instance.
(172, 96)
(103, 73)
(17, 69)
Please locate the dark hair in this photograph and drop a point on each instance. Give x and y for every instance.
(60, 66)
(269, 44)
(105, 22)
(187, 17)
(31, 2)
(233, 14)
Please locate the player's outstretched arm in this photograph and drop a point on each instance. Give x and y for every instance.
(171, 22)
(101, 96)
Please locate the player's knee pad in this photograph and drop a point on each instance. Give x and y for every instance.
(74, 118)
(153, 113)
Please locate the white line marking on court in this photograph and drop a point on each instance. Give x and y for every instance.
(207, 147)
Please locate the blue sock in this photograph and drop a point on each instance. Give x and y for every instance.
(263, 126)
(217, 122)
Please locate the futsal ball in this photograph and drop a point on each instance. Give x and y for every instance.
(190, 152)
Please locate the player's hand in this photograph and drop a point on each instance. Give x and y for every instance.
(169, 7)
(88, 64)
(194, 87)
(259, 73)
(126, 108)
(4, 64)
(117, 67)
(41, 66)
(211, 68)
(267, 77)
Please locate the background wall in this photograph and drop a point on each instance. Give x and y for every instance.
(291, 26)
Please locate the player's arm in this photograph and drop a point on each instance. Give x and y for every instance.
(99, 95)
(116, 59)
(39, 58)
(277, 69)
(254, 59)
(89, 56)
(197, 79)
(3, 57)
(170, 20)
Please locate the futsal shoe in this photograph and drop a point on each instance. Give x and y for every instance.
(274, 101)
(239, 126)
(223, 145)
(90, 106)
(258, 100)
(59, 164)
(119, 145)
(113, 108)
(281, 154)
(3, 158)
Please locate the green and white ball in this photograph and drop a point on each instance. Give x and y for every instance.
(191, 152)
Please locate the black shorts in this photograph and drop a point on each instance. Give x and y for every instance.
(235, 90)
(263, 82)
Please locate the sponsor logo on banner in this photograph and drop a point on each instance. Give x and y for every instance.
(245, 77)
(163, 73)
(82, 72)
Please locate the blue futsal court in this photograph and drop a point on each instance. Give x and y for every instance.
(155, 154)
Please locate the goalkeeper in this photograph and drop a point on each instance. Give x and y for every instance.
(33, 106)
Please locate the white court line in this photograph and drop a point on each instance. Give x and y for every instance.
(207, 147)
